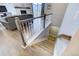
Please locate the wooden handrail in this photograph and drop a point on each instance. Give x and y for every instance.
(35, 17)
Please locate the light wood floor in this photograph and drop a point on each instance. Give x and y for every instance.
(10, 44)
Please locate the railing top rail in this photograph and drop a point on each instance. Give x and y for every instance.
(4, 22)
(35, 17)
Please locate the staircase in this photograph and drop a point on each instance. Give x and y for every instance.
(33, 31)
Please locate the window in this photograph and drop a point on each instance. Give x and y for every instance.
(37, 8)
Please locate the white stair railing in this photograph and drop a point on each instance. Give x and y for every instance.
(31, 28)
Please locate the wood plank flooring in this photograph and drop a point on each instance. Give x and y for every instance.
(10, 45)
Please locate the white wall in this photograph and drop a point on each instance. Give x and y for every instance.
(48, 8)
(71, 20)
(10, 8)
(73, 47)
(58, 10)
(29, 11)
